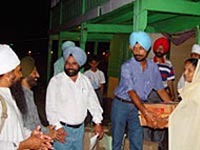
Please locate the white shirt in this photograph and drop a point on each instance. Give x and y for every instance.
(96, 78)
(68, 101)
(13, 130)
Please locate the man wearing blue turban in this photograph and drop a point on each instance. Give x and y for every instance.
(59, 64)
(139, 75)
(69, 96)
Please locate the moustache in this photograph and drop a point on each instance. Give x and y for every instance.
(138, 55)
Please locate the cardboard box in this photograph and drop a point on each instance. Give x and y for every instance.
(161, 110)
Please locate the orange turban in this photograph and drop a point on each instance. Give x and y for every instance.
(161, 41)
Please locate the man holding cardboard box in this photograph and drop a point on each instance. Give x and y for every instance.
(139, 76)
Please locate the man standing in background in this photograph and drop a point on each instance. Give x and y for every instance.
(96, 77)
(161, 49)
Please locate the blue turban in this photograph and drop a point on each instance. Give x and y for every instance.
(142, 38)
(77, 53)
(67, 44)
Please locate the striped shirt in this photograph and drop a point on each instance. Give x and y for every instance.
(166, 71)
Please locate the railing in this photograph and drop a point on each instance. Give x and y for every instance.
(93, 3)
(70, 9)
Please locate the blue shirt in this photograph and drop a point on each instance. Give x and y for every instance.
(141, 81)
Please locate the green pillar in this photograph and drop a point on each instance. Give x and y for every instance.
(49, 59)
(83, 6)
(139, 16)
(59, 46)
(83, 38)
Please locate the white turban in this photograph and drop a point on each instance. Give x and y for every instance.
(196, 49)
(77, 53)
(8, 59)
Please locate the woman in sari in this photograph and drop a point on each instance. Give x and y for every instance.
(184, 122)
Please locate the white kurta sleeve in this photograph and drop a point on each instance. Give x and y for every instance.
(94, 106)
(6, 145)
(51, 111)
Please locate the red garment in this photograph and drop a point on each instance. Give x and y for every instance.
(156, 60)
(161, 41)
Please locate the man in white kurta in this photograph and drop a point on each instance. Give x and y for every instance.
(13, 135)
(12, 130)
(69, 96)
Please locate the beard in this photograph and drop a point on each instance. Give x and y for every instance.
(140, 57)
(71, 72)
(32, 81)
(159, 55)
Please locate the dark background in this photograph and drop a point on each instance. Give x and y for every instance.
(24, 26)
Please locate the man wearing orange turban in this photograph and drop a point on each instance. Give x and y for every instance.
(160, 49)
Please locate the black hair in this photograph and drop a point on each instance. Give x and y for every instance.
(193, 61)
(19, 97)
(93, 58)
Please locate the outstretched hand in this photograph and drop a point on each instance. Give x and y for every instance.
(151, 119)
(37, 140)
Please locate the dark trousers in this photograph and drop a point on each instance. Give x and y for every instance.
(156, 135)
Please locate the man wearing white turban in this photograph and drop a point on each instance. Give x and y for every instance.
(69, 96)
(139, 75)
(15, 137)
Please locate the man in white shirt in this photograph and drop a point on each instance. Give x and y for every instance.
(69, 96)
(13, 135)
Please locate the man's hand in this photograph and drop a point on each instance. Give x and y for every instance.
(37, 140)
(99, 130)
(51, 131)
(150, 118)
(162, 122)
(61, 135)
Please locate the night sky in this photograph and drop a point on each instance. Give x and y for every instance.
(24, 25)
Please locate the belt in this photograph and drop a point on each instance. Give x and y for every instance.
(71, 126)
(123, 100)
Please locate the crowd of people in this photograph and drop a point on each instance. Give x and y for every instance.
(71, 94)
